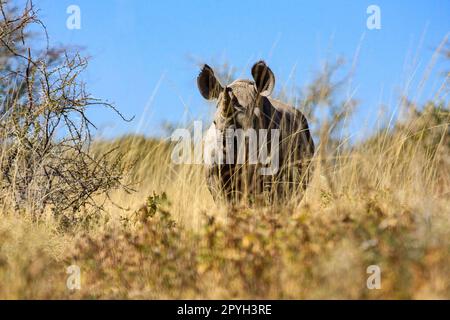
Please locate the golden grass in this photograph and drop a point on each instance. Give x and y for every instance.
(383, 202)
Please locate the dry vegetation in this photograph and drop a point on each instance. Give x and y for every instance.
(383, 201)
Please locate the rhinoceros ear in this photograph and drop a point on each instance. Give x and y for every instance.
(208, 84)
(264, 78)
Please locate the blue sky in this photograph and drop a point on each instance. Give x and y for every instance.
(145, 53)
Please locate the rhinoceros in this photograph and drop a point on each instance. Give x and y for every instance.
(281, 167)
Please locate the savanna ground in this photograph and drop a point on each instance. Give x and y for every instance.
(152, 230)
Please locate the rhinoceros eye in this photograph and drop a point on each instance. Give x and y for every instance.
(239, 108)
(236, 105)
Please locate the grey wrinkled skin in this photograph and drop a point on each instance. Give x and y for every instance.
(245, 104)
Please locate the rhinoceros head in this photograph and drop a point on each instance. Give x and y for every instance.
(238, 102)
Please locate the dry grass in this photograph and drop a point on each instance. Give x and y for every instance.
(384, 202)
